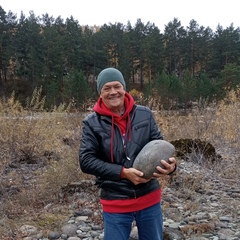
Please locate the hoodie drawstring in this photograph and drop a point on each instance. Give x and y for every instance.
(111, 140)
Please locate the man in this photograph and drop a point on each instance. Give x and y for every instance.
(112, 137)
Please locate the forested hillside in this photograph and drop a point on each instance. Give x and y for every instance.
(174, 67)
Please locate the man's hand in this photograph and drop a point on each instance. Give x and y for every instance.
(134, 175)
(169, 167)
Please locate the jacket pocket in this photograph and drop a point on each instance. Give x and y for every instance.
(140, 134)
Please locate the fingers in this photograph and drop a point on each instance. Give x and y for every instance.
(168, 167)
(172, 160)
(138, 173)
(134, 176)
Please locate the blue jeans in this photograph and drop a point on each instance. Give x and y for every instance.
(118, 226)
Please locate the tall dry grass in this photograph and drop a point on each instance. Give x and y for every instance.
(38, 155)
(39, 152)
(216, 123)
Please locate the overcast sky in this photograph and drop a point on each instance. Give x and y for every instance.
(160, 12)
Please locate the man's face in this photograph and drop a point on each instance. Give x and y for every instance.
(112, 94)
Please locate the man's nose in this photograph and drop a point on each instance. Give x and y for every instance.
(113, 90)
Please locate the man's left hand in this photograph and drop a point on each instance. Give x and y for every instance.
(169, 167)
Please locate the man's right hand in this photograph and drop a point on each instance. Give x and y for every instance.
(133, 175)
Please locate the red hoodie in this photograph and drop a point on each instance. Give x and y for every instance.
(123, 122)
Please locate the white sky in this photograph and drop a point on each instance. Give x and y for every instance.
(160, 12)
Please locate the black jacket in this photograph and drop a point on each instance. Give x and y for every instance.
(94, 154)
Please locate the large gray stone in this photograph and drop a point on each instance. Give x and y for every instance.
(151, 155)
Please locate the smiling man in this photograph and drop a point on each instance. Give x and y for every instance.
(112, 137)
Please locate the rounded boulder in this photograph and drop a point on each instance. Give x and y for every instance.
(151, 155)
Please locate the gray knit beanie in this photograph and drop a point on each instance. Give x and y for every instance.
(109, 75)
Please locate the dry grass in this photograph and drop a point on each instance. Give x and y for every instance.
(39, 154)
(197, 229)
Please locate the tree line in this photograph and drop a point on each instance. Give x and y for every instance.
(177, 66)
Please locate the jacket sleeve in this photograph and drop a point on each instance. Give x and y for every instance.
(90, 159)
